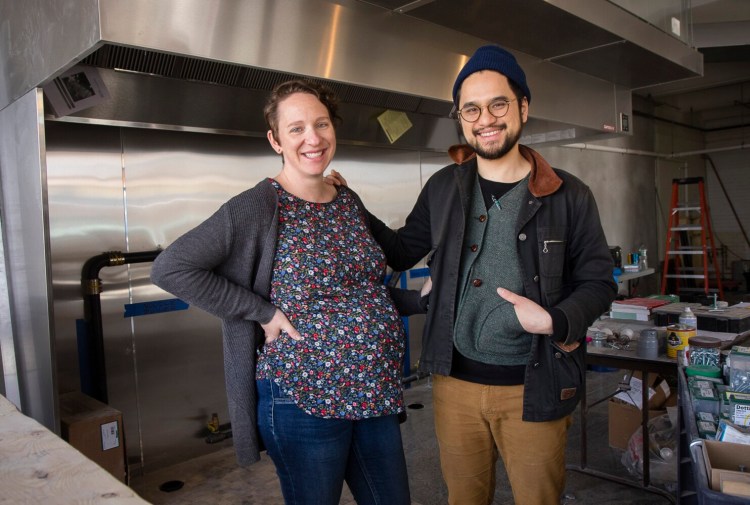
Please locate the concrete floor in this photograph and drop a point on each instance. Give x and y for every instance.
(216, 479)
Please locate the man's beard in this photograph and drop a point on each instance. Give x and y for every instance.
(494, 153)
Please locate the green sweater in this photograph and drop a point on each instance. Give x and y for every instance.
(487, 328)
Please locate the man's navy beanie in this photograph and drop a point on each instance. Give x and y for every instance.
(495, 58)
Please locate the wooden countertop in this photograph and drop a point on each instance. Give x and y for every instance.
(37, 466)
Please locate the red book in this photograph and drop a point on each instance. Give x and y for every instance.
(647, 303)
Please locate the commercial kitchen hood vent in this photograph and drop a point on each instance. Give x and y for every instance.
(595, 37)
(216, 61)
(134, 59)
(216, 72)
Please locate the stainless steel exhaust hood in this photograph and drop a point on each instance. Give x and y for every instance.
(190, 62)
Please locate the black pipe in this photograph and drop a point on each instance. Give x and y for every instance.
(414, 377)
(92, 314)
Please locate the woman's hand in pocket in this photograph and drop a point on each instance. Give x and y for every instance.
(278, 323)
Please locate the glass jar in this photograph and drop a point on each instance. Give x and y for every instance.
(704, 351)
(598, 338)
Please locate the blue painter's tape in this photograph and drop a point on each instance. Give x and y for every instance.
(416, 273)
(154, 307)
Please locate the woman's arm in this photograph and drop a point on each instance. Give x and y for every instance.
(189, 267)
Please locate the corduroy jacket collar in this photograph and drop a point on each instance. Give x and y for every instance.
(543, 180)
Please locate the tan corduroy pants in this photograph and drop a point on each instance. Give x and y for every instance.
(474, 423)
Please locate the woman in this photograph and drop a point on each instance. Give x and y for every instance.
(292, 260)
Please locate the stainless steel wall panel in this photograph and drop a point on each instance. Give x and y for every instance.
(40, 39)
(23, 180)
(86, 219)
(386, 180)
(176, 179)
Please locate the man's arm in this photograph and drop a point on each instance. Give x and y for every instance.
(589, 265)
(406, 246)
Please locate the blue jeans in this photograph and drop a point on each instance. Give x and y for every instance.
(314, 456)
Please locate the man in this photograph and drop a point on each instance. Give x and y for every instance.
(520, 268)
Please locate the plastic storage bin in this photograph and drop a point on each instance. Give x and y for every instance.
(693, 486)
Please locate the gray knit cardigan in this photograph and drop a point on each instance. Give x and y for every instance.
(224, 267)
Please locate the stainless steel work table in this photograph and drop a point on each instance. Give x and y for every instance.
(626, 359)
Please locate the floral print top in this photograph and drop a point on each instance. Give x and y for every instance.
(327, 280)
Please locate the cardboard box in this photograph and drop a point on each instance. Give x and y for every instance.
(95, 429)
(658, 391)
(662, 394)
(625, 418)
(739, 487)
(723, 460)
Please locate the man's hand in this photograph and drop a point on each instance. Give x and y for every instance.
(276, 325)
(335, 179)
(532, 316)
(426, 287)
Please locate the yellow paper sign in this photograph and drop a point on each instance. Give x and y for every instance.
(394, 124)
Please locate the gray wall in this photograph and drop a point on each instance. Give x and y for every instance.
(624, 186)
(730, 205)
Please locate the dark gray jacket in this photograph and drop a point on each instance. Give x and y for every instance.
(565, 261)
(224, 267)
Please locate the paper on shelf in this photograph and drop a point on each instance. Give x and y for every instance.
(635, 395)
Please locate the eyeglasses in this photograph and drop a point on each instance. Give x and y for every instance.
(498, 108)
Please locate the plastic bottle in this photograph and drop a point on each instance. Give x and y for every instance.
(642, 258)
(688, 319)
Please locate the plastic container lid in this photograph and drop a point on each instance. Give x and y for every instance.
(703, 371)
(700, 341)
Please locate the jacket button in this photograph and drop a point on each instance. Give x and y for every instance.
(536, 365)
(536, 278)
(482, 218)
(558, 355)
(476, 282)
(522, 237)
(474, 247)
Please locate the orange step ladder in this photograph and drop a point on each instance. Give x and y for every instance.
(681, 253)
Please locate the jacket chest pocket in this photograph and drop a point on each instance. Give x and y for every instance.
(552, 249)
